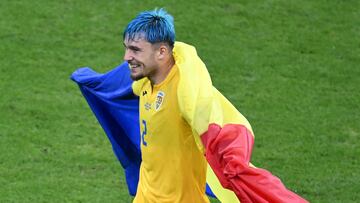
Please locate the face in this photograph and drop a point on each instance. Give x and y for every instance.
(141, 56)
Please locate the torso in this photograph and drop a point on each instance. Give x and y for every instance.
(173, 169)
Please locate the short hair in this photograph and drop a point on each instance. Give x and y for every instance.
(156, 26)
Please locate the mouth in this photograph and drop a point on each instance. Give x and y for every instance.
(133, 66)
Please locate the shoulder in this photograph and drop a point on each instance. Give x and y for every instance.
(138, 85)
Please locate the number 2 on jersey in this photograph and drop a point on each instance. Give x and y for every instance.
(143, 133)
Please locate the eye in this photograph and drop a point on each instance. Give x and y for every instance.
(135, 49)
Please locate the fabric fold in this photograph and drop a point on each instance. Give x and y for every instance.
(226, 136)
(111, 99)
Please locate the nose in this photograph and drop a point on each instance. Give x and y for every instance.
(127, 55)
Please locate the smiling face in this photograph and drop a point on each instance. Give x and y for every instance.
(142, 57)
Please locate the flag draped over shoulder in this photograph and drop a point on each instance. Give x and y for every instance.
(219, 129)
(226, 136)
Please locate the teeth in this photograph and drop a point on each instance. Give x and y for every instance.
(133, 66)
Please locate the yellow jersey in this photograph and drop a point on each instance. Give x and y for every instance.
(173, 169)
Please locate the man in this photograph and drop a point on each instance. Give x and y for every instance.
(178, 108)
(173, 169)
(181, 118)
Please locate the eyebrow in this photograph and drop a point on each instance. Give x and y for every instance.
(135, 48)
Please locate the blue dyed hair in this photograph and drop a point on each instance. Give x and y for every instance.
(155, 26)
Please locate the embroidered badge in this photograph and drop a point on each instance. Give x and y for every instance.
(159, 100)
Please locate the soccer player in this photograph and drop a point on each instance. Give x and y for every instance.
(173, 169)
(183, 117)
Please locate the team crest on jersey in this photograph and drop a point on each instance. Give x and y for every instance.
(159, 100)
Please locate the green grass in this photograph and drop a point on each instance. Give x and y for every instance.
(291, 67)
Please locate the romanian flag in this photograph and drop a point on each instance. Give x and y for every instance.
(219, 129)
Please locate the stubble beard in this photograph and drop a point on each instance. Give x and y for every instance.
(136, 77)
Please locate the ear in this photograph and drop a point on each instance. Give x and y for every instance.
(163, 51)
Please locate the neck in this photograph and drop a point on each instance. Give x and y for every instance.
(163, 71)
